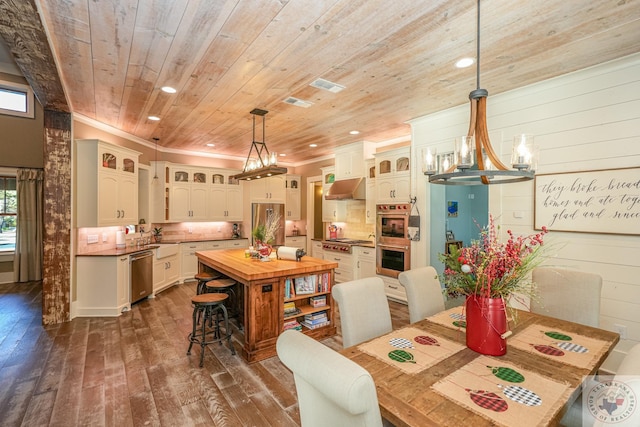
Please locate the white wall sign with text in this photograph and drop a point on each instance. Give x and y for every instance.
(600, 201)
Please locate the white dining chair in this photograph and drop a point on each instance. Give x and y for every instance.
(567, 294)
(332, 390)
(364, 310)
(424, 292)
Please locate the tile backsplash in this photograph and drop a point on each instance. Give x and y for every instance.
(106, 236)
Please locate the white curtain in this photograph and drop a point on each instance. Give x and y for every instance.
(27, 264)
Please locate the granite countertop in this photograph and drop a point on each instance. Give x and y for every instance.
(120, 251)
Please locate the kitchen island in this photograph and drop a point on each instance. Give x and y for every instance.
(266, 287)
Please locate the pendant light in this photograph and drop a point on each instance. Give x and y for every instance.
(263, 164)
(155, 176)
(474, 162)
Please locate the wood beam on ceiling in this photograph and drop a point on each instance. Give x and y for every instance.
(24, 34)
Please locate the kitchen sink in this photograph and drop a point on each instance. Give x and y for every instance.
(167, 249)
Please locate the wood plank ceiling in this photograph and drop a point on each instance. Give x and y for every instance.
(395, 58)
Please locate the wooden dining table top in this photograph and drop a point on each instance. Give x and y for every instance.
(409, 399)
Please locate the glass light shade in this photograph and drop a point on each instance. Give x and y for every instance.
(429, 164)
(463, 149)
(273, 160)
(445, 162)
(522, 153)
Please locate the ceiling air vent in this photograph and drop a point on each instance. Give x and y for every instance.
(298, 102)
(327, 85)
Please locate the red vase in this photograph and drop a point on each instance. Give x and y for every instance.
(486, 324)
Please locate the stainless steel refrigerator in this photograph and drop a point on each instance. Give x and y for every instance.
(259, 214)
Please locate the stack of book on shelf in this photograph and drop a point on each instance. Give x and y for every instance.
(290, 309)
(318, 301)
(316, 320)
(292, 324)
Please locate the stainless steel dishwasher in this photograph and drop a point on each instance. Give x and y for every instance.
(141, 274)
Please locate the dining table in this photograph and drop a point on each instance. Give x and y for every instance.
(425, 375)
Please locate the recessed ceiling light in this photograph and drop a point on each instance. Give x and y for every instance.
(168, 89)
(313, 145)
(354, 132)
(282, 155)
(211, 145)
(154, 118)
(464, 62)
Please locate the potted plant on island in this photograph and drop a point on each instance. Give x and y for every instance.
(157, 234)
(488, 273)
(264, 235)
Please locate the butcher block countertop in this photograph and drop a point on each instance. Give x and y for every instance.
(233, 262)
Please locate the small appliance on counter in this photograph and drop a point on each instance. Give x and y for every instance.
(333, 232)
(235, 234)
(120, 240)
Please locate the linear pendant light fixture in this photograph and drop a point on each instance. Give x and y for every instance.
(459, 168)
(260, 164)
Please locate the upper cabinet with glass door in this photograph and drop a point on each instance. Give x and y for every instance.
(107, 184)
(393, 184)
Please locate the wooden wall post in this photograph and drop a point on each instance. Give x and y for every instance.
(56, 282)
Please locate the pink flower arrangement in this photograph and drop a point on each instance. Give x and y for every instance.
(492, 269)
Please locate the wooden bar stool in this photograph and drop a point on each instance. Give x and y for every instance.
(202, 279)
(225, 285)
(209, 306)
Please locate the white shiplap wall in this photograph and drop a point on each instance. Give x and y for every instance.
(585, 120)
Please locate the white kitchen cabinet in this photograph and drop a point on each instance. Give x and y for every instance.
(394, 289)
(370, 203)
(332, 210)
(350, 159)
(188, 194)
(316, 249)
(102, 285)
(344, 271)
(297, 242)
(269, 190)
(393, 176)
(237, 244)
(107, 184)
(292, 206)
(166, 272)
(225, 197)
(364, 261)
(189, 260)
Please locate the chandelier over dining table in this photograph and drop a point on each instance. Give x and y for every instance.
(474, 161)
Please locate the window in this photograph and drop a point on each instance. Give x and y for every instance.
(16, 99)
(8, 211)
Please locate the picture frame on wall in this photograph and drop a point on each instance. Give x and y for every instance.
(450, 235)
(452, 209)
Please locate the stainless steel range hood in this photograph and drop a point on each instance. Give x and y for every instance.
(347, 189)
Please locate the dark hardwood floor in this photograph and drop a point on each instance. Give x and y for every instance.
(133, 370)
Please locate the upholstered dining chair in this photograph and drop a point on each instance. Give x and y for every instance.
(567, 294)
(364, 310)
(332, 390)
(424, 293)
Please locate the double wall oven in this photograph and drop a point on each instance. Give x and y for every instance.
(393, 248)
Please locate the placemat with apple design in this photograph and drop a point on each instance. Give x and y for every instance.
(410, 349)
(563, 346)
(504, 393)
(453, 318)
